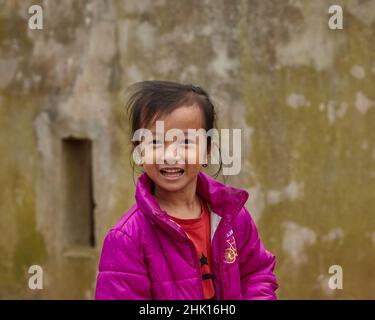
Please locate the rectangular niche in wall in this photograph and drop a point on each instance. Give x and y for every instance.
(77, 191)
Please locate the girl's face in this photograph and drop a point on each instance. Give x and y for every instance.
(175, 167)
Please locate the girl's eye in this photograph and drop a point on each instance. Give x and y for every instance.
(187, 141)
(155, 142)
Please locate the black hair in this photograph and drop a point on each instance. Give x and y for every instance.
(150, 100)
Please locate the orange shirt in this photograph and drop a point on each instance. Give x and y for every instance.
(198, 231)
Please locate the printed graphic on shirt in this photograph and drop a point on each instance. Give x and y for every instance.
(206, 275)
(203, 260)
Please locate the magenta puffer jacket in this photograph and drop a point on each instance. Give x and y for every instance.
(149, 256)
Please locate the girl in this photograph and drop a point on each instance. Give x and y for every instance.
(188, 236)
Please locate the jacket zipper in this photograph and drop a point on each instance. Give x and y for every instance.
(198, 267)
(195, 258)
(182, 233)
(220, 263)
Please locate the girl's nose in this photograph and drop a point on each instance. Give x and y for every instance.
(171, 154)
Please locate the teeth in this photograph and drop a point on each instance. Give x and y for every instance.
(171, 170)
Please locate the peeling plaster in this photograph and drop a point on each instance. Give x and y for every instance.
(145, 35)
(363, 103)
(335, 110)
(189, 72)
(133, 73)
(370, 235)
(256, 203)
(322, 283)
(292, 191)
(296, 100)
(42, 124)
(8, 69)
(139, 7)
(362, 10)
(167, 64)
(296, 239)
(334, 234)
(102, 44)
(312, 46)
(222, 64)
(358, 72)
(364, 145)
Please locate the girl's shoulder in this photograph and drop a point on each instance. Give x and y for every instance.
(131, 222)
(243, 223)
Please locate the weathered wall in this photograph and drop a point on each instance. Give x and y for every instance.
(304, 96)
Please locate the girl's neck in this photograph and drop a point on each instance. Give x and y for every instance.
(183, 204)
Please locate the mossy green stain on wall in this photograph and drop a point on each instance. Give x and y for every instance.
(23, 244)
(333, 160)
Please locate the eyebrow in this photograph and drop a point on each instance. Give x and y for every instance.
(154, 132)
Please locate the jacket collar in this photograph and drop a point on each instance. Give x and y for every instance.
(224, 200)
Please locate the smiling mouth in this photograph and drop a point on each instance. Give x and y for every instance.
(172, 172)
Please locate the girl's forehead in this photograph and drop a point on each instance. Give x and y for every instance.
(182, 118)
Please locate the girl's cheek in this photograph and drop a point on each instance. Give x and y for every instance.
(191, 155)
(152, 155)
(201, 154)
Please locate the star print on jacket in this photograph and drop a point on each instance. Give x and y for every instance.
(198, 230)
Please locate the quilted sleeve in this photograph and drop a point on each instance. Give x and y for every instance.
(122, 270)
(258, 281)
